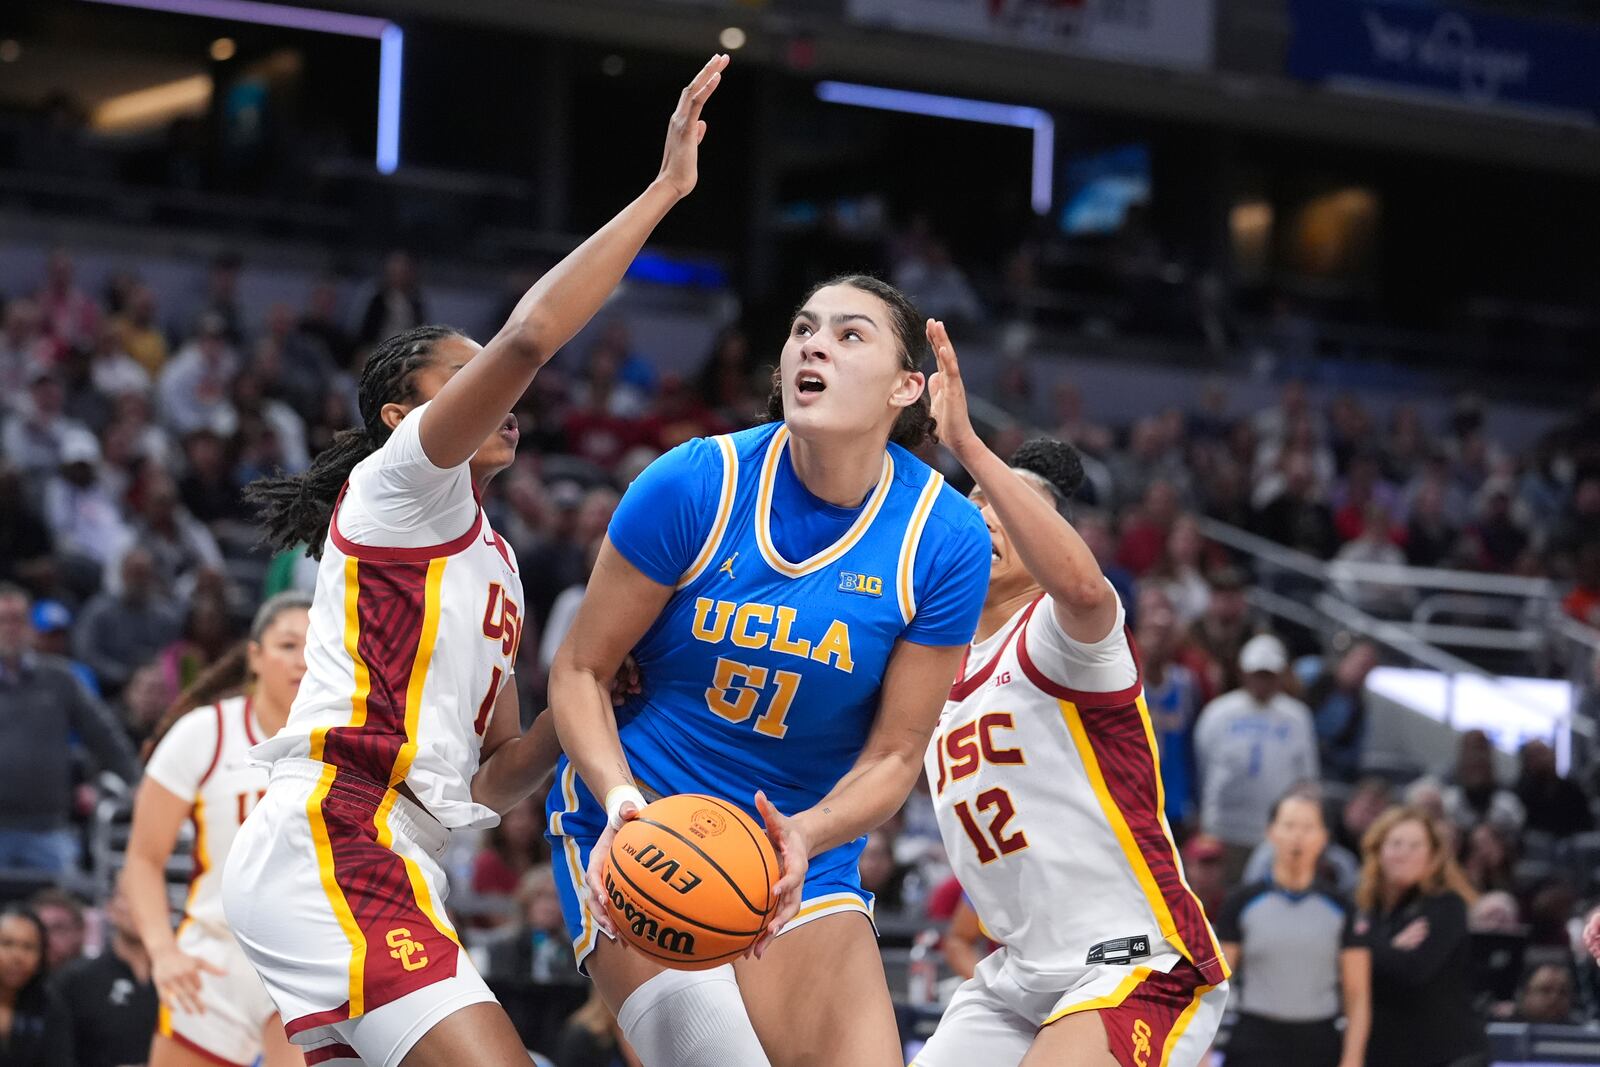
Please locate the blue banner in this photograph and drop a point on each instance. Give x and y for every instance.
(1433, 50)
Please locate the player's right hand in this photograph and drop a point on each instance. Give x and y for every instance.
(177, 979)
(680, 160)
(596, 874)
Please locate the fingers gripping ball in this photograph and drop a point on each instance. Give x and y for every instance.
(689, 882)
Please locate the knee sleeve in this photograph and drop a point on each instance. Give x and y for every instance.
(691, 1019)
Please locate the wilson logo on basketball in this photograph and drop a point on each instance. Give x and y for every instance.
(407, 951)
(669, 870)
(644, 927)
(707, 823)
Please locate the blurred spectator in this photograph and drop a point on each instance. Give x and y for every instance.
(46, 707)
(1172, 694)
(256, 411)
(1291, 941)
(178, 545)
(138, 333)
(1220, 634)
(1204, 859)
(397, 303)
(1374, 546)
(1363, 487)
(1335, 865)
(1579, 525)
(1413, 902)
(564, 612)
(110, 999)
(194, 386)
(1145, 532)
(33, 437)
(119, 631)
(1474, 794)
(725, 379)
(928, 274)
(81, 508)
(25, 546)
(1546, 995)
(303, 362)
(561, 562)
(207, 488)
(600, 423)
(1296, 516)
(1489, 857)
(537, 949)
(1338, 702)
(1553, 804)
(64, 926)
(634, 369)
(111, 370)
(319, 325)
(207, 632)
(1495, 913)
(1583, 602)
(1496, 540)
(1251, 745)
(1178, 573)
(71, 317)
(963, 944)
(23, 348)
(880, 874)
(513, 847)
(592, 1038)
(1431, 539)
(52, 636)
(677, 416)
(1095, 530)
(1370, 799)
(34, 1030)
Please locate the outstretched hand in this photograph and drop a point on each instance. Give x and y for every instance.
(947, 393)
(793, 859)
(680, 160)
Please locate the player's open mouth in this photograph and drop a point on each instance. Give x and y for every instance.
(809, 382)
(508, 429)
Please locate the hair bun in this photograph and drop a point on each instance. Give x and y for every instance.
(1055, 461)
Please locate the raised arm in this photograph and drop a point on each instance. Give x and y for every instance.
(1085, 605)
(475, 400)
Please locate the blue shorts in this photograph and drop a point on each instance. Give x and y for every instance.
(576, 819)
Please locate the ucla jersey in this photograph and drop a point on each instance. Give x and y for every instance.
(763, 671)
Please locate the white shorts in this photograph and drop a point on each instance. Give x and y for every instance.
(334, 891)
(236, 1005)
(1151, 1017)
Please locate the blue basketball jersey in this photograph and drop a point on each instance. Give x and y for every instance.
(763, 671)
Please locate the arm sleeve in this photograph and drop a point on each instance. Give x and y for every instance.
(101, 732)
(181, 760)
(663, 520)
(1103, 666)
(951, 588)
(399, 498)
(1447, 927)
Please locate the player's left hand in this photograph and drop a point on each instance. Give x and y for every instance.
(627, 683)
(794, 857)
(947, 393)
(1591, 935)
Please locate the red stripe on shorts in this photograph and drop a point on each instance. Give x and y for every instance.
(330, 1052)
(1139, 1029)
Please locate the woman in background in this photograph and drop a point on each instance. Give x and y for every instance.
(34, 1031)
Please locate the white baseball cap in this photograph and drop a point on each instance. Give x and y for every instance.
(1263, 652)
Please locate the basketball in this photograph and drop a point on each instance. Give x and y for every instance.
(689, 882)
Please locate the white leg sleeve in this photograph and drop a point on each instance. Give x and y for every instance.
(691, 1019)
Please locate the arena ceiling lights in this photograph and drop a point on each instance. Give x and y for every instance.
(964, 110)
(390, 38)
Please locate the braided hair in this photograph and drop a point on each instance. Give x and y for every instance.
(915, 425)
(1054, 464)
(295, 508)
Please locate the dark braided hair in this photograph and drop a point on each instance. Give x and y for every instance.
(1055, 463)
(916, 425)
(295, 508)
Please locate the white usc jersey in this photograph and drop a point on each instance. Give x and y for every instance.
(414, 629)
(205, 760)
(1048, 794)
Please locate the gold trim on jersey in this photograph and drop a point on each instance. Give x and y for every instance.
(1119, 824)
(904, 584)
(335, 895)
(1112, 999)
(769, 551)
(1181, 1026)
(419, 885)
(580, 884)
(352, 638)
(822, 907)
(719, 526)
(419, 670)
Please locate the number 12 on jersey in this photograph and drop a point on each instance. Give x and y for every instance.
(1004, 844)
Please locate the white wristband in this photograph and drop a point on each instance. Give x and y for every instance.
(619, 795)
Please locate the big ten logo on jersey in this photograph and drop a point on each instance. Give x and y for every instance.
(407, 951)
(501, 620)
(248, 801)
(865, 584)
(663, 866)
(964, 750)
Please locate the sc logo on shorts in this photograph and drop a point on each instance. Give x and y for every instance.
(407, 951)
(865, 584)
(1141, 1042)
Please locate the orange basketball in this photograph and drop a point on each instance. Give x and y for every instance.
(689, 882)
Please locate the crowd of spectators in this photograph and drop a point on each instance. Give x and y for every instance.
(132, 420)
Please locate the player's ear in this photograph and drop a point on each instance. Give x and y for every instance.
(391, 414)
(906, 393)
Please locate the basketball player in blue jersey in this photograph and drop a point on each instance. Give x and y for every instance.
(798, 597)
